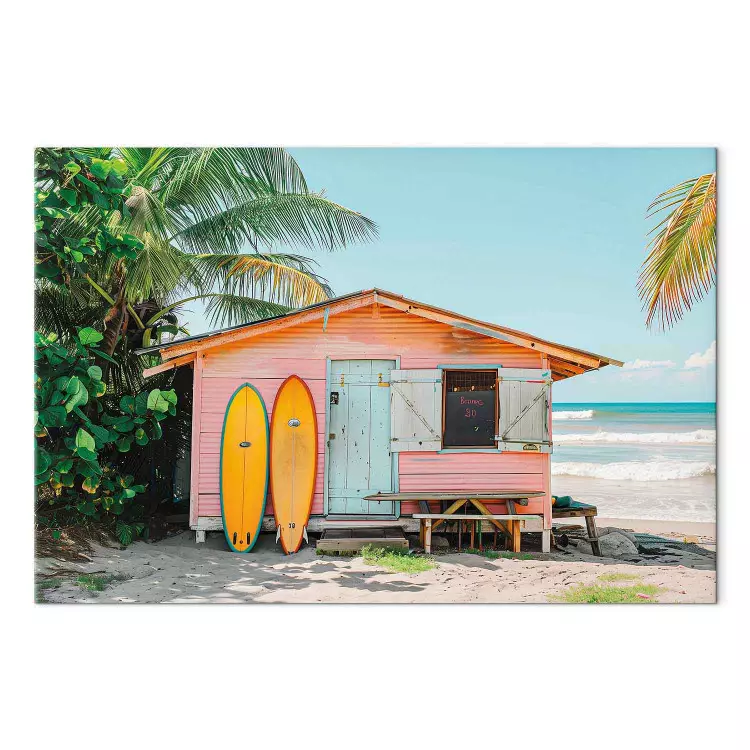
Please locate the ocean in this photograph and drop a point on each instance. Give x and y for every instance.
(637, 460)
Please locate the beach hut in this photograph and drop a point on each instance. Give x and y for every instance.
(414, 404)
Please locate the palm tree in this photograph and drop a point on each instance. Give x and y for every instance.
(210, 220)
(681, 264)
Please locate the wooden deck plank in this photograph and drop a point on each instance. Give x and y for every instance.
(453, 496)
(477, 516)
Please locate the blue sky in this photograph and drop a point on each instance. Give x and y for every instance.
(548, 241)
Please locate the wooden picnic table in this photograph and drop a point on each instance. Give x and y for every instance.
(508, 523)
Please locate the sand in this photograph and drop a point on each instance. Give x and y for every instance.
(177, 570)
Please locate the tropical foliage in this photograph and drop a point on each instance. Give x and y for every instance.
(681, 264)
(82, 428)
(210, 222)
(125, 238)
(78, 436)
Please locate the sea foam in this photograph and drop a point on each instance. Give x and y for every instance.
(703, 437)
(565, 415)
(639, 471)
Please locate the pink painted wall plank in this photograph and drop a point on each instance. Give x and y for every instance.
(468, 463)
(474, 481)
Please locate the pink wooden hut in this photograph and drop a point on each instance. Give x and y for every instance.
(409, 398)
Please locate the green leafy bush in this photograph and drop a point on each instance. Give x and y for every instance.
(77, 197)
(78, 435)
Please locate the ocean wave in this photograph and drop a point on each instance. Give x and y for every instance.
(639, 471)
(703, 437)
(564, 415)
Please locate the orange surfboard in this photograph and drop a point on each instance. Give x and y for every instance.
(244, 467)
(294, 459)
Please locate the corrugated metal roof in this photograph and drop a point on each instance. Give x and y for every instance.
(219, 331)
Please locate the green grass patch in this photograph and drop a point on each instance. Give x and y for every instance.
(396, 561)
(598, 594)
(492, 554)
(97, 582)
(619, 577)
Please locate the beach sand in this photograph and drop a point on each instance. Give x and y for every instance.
(177, 570)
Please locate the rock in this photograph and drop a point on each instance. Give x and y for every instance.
(611, 545)
(440, 542)
(614, 530)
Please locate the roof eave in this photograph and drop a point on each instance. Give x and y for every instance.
(580, 361)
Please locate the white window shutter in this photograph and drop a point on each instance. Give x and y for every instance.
(523, 405)
(416, 410)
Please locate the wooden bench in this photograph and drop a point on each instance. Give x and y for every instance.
(513, 529)
(588, 513)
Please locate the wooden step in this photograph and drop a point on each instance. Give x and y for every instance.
(352, 538)
(347, 522)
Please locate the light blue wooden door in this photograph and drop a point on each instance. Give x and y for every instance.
(359, 437)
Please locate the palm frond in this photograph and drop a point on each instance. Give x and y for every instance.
(680, 267)
(199, 178)
(62, 310)
(159, 271)
(232, 309)
(284, 279)
(147, 214)
(307, 219)
(144, 164)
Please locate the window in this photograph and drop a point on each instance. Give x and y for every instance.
(464, 409)
(470, 409)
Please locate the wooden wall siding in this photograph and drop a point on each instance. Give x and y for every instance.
(451, 472)
(267, 360)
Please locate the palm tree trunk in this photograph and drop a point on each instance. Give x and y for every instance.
(114, 322)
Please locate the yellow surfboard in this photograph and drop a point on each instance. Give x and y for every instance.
(294, 458)
(244, 467)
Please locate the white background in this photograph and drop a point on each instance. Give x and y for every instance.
(406, 73)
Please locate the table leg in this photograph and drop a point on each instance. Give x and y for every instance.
(485, 512)
(427, 535)
(450, 511)
(516, 534)
(593, 535)
(472, 535)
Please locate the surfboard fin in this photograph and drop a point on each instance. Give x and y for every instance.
(278, 533)
(304, 534)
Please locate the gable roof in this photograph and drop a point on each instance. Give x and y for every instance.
(565, 361)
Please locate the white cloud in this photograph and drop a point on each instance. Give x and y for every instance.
(702, 360)
(647, 364)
